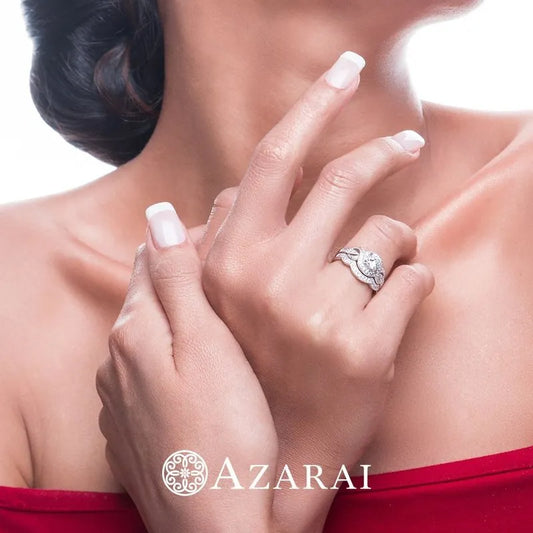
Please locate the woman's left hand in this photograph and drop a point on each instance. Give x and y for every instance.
(322, 348)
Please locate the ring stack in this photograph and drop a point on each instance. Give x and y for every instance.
(365, 265)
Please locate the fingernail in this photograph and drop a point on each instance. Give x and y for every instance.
(345, 70)
(165, 226)
(409, 140)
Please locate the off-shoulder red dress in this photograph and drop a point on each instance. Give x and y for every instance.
(490, 494)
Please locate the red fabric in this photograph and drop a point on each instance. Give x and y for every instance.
(491, 494)
(59, 511)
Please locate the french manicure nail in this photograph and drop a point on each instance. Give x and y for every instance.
(165, 226)
(345, 70)
(409, 140)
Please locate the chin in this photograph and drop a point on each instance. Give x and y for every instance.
(423, 11)
(453, 6)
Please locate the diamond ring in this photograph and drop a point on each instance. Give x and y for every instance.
(366, 266)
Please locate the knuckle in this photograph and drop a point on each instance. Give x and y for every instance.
(103, 422)
(273, 287)
(321, 329)
(391, 230)
(382, 155)
(216, 271)
(336, 178)
(385, 227)
(102, 378)
(272, 297)
(337, 338)
(221, 276)
(389, 148)
(369, 359)
(360, 346)
(115, 342)
(271, 153)
(169, 270)
(122, 339)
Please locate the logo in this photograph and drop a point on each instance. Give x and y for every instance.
(185, 473)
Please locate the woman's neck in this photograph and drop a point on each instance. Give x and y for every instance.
(231, 75)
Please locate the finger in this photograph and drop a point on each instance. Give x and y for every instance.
(141, 312)
(175, 268)
(219, 212)
(197, 234)
(391, 239)
(393, 306)
(344, 181)
(221, 207)
(299, 179)
(265, 190)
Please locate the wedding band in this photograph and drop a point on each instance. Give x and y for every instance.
(365, 265)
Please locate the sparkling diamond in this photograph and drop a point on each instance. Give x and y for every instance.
(369, 263)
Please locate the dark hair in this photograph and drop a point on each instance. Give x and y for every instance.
(98, 72)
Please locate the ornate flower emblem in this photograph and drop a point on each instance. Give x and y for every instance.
(185, 473)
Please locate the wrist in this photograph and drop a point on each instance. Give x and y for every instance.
(318, 470)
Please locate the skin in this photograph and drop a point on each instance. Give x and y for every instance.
(462, 375)
(299, 349)
(164, 384)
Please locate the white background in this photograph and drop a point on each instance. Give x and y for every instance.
(482, 60)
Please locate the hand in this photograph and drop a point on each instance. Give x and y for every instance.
(177, 379)
(321, 346)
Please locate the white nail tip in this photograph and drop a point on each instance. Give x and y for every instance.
(345, 70)
(158, 208)
(409, 140)
(356, 58)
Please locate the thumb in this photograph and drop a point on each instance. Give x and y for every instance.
(174, 267)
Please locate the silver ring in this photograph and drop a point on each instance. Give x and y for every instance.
(366, 266)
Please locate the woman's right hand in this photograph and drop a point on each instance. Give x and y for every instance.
(177, 380)
(322, 347)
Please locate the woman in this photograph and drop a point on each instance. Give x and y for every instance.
(462, 373)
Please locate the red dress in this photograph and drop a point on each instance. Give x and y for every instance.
(490, 494)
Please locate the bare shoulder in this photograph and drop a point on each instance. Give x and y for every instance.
(34, 242)
(498, 146)
(493, 196)
(53, 320)
(26, 239)
(26, 281)
(47, 261)
(505, 121)
(486, 131)
(500, 193)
